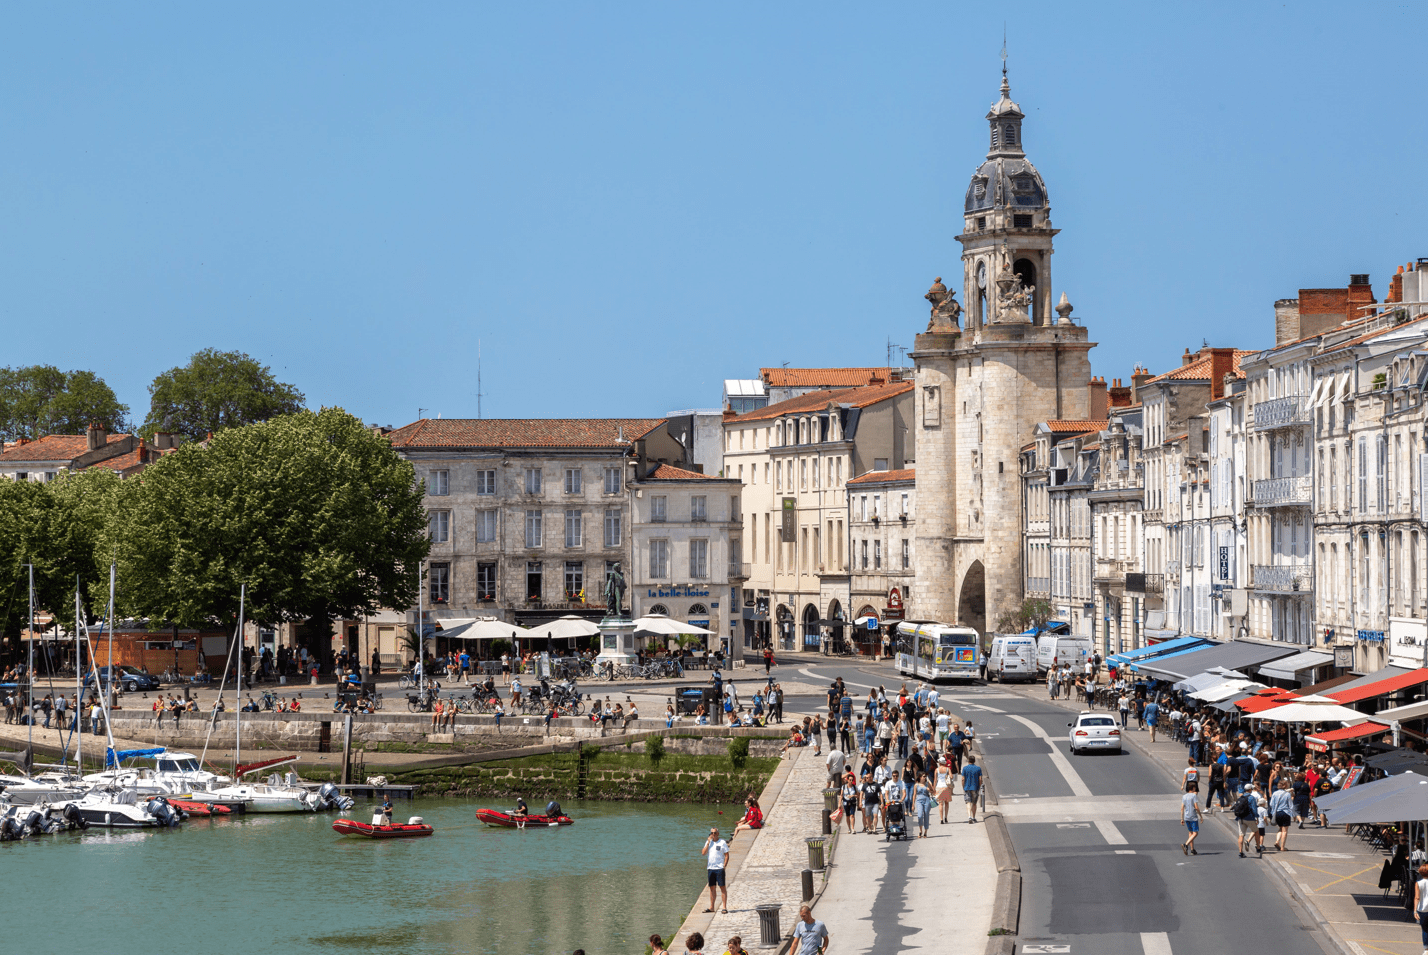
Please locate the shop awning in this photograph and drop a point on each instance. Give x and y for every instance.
(1321, 742)
(1155, 650)
(1382, 687)
(1223, 691)
(1410, 711)
(1265, 700)
(1203, 681)
(1289, 667)
(1235, 655)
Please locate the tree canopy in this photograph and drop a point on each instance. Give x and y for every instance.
(36, 400)
(36, 526)
(318, 516)
(214, 391)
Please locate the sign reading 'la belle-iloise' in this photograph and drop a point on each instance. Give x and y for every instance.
(677, 592)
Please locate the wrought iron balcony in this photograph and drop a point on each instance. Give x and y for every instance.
(1284, 492)
(1288, 412)
(1145, 583)
(1284, 578)
(738, 570)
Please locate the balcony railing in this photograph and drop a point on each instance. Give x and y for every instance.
(1145, 583)
(1110, 569)
(1284, 492)
(1284, 578)
(1288, 412)
(740, 570)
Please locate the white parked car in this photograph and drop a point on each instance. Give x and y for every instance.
(1094, 731)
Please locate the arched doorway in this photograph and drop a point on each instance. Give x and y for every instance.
(810, 627)
(835, 639)
(972, 603)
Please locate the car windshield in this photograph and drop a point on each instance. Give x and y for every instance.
(132, 671)
(1098, 721)
(957, 639)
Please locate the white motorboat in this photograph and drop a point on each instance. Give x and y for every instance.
(46, 787)
(158, 771)
(125, 809)
(269, 797)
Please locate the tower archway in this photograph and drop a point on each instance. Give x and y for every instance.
(972, 598)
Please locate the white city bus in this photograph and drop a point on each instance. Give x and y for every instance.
(936, 651)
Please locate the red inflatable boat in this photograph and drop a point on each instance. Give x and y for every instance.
(494, 817)
(413, 827)
(194, 808)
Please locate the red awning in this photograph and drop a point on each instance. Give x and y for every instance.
(1382, 687)
(1322, 741)
(1266, 700)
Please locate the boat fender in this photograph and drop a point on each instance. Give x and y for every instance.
(414, 821)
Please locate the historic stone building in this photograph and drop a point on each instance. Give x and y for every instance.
(983, 383)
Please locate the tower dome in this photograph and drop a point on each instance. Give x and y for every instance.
(1006, 181)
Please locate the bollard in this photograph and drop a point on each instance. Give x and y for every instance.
(827, 823)
(815, 852)
(770, 935)
(807, 885)
(830, 799)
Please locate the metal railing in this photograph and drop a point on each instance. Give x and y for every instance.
(737, 569)
(1145, 583)
(1283, 578)
(1111, 569)
(1284, 492)
(1287, 412)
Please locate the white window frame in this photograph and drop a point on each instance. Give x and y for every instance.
(698, 558)
(573, 481)
(659, 559)
(574, 527)
(614, 519)
(438, 483)
(438, 525)
(534, 529)
(533, 480)
(488, 522)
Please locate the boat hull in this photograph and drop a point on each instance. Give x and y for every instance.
(194, 808)
(504, 820)
(351, 827)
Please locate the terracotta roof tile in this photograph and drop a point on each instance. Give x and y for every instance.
(818, 400)
(1372, 335)
(54, 447)
(668, 472)
(1199, 368)
(886, 477)
(1077, 425)
(522, 432)
(821, 377)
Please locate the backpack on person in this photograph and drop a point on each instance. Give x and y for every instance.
(1241, 808)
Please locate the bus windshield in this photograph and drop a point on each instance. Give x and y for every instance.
(957, 639)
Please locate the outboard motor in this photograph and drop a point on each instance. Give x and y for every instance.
(11, 830)
(331, 798)
(74, 818)
(159, 808)
(34, 823)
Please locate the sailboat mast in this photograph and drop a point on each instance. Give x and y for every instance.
(104, 693)
(238, 686)
(110, 632)
(78, 684)
(30, 674)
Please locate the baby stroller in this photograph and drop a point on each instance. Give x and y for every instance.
(896, 827)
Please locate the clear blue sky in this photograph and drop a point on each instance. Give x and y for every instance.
(628, 203)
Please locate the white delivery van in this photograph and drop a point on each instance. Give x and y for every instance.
(1054, 649)
(1013, 657)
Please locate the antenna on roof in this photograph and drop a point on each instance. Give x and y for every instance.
(1004, 51)
(478, 378)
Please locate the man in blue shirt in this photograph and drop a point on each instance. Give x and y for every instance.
(971, 786)
(809, 935)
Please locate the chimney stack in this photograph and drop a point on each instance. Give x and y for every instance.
(1119, 395)
(143, 453)
(1097, 405)
(1138, 380)
(95, 437)
(1186, 358)
(1222, 363)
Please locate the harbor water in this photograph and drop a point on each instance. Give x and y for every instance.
(287, 884)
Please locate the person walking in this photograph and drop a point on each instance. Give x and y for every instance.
(943, 789)
(971, 786)
(717, 851)
(872, 789)
(1190, 815)
(1152, 717)
(1124, 706)
(1281, 810)
(1420, 903)
(1243, 810)
(922, 800)
(850, 799)
(1300, 789)
(810, 936)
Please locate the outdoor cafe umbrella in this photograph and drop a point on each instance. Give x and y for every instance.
(1409, 803)
(1356, 796)
(657, 624)
(1301, 711)
(568, 627)
(489, 629)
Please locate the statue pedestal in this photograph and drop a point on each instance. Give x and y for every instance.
(617, 641)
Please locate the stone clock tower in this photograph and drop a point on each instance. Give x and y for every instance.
(986, 376)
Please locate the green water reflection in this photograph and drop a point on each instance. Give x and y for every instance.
(285, 884)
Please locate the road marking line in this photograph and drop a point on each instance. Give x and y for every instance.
(1125, 852)
(1058, 758)
(1155, 943)
(1110, 833)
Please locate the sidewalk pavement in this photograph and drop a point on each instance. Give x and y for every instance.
(766, 866)
(1333, 873)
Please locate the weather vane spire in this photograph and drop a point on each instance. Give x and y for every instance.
(1005, 86)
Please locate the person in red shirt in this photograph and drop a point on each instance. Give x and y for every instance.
(753, 817)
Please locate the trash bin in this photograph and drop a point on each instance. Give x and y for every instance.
(769, 933)
(815, 853)
(830, 799)
(689, 701)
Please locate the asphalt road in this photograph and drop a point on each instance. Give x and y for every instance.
(1098, 838)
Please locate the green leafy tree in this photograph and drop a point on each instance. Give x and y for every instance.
(91, 501)
(36, 526)
(214, 391)
(1033, 612)
(318, 516)
(37, 400)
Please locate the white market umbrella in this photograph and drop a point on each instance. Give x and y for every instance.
(1223, 691)
(1300, 712)
(490, 629)
(658, 623)
(568, 627)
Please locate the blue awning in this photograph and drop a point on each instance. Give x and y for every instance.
(112, 757)
(1155, 650)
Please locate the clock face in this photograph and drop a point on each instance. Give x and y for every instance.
(982, 275)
